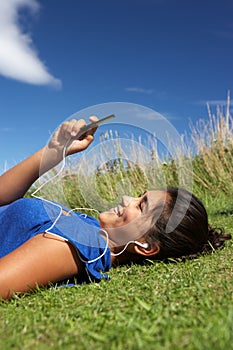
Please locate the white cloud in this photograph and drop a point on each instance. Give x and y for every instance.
(18, 57)
(217, 102)
(140, 90)
(5, 129)
(225, 32)
(161, 95)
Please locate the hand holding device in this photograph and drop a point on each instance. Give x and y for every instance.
(92, 126)
(80, 140)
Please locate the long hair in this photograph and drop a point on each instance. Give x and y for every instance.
(182, 229)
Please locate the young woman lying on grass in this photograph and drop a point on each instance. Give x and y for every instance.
(157, 225)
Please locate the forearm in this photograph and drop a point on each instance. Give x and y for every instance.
(16, 181)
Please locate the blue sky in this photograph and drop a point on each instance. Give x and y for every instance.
(58, 57)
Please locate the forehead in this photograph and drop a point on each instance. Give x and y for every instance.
(152, 210)
(155, 204)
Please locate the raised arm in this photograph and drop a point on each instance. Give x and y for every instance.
(15, 182)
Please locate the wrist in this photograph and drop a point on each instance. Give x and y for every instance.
(49, 158)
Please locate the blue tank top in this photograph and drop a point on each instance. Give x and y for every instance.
(27, 217)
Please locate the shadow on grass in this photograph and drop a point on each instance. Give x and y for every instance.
(226, 212)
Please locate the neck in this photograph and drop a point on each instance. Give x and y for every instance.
(128, 256)
(117, 259)
(124, 254)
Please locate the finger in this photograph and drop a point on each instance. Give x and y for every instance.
(91, 131)
(65, 129)
(68, 128)
(86, 140)
(76, 126)
(93, 118)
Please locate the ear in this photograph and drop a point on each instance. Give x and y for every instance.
(153, 249)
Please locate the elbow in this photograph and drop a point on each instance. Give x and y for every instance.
(6, 294)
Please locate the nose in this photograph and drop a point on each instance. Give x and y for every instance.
(126, 200)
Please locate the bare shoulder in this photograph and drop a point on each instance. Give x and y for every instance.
(42, 259)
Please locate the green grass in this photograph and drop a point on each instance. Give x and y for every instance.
(170, 306)
(184, 305)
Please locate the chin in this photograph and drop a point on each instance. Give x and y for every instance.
(102, 218)
(106, 219)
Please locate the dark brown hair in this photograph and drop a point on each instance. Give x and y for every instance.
(182, 228)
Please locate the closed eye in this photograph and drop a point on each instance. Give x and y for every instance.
(143, 203)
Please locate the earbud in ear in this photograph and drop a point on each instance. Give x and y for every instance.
(143, 245)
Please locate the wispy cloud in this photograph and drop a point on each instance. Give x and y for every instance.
(171, 116)
(18, 57)
(139, 90)
(146, 114)
(226, 32)
(159, 94)
(214, 102)
(6, 129)
(221, 104)
(217, 102)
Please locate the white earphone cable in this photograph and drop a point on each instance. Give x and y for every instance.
(60, 213)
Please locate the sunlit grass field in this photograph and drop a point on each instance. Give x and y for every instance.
(184, 305)
(157, 305)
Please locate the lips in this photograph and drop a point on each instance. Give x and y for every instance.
(118, 210)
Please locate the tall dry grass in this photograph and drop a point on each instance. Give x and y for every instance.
(213, 142)
(203, 166)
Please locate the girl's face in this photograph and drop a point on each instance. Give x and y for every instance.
(129, 218)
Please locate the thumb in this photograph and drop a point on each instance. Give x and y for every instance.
(93, 119)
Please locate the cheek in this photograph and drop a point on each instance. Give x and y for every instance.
(107, 219)
(110, 220)
(130, 216)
